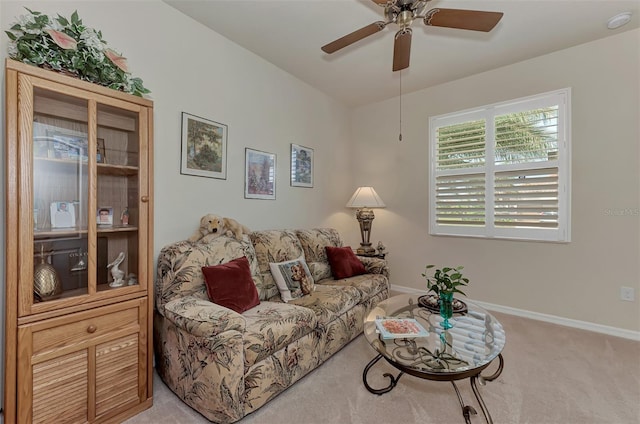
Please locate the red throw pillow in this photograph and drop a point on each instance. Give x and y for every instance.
(230, 285)
(344, 263)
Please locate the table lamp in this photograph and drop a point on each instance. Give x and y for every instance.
(363, 200)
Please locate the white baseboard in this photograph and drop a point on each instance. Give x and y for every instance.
(567, 322)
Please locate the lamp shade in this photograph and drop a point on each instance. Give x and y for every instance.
(365, 197)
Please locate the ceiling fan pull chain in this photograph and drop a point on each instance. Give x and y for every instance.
(400, 136)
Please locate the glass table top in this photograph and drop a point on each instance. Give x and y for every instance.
(475, 339)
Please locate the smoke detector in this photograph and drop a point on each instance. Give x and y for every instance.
(619, 20)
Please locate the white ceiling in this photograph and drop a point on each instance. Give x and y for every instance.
(289, 34)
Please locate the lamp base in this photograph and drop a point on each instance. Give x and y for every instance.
(365, 250)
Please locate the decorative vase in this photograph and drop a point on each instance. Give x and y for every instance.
(46, 283)
(446, 309)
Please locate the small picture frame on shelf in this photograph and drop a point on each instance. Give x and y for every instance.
(67, 145)
(63, 214)
(104, 215)
(101, 151)
(301, 166)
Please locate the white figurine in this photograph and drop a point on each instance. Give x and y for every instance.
(132, 280)
(116, 272)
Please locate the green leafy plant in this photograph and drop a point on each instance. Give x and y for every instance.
(68, 46)
(445, 280)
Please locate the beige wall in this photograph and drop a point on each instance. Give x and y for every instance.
(578, 280)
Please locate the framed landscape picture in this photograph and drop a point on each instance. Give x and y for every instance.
(301, 166)
(259, 175)
(204, 147)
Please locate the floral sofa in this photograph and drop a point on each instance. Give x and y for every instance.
(226, 364)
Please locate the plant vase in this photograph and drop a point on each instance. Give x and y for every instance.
(446, 309)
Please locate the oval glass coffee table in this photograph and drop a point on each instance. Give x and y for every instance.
(463, 351)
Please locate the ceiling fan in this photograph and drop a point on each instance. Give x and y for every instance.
(403, 13)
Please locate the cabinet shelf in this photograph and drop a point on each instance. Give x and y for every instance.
(72, 232)
(118, 170)
(117, 229)
(103, 168)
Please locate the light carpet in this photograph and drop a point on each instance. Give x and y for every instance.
(553, 375)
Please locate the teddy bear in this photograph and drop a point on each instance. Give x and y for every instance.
(213, 226)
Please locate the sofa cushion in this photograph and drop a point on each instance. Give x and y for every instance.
(367, 284)
(292, 278)
(344, 263)
(313, 243)
(272, 326)
(202, 318)
(273, 246)
(329, 302)
(180, 265)
(230, 285)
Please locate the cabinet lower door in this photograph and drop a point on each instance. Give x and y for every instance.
(117, 379)
(60, 389)
(84, 367)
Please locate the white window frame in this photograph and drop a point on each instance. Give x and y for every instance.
(561, 233)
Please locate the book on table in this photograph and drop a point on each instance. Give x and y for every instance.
(394, 328)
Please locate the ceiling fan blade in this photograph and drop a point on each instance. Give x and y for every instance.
(474, 20)
(353, 37)
(380, 2)
(402, 49)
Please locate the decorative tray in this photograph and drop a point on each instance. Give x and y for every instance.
(432, 303)
(394, 328)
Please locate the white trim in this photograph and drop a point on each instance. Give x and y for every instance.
(567, 322)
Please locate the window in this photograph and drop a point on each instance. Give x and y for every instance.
(503, 170)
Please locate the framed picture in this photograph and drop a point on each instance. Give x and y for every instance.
(301, 166)
(63, 214)
(259, 175)
(204, 147)
(104, 216)
(101, 156)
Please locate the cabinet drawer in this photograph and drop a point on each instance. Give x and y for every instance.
(78, 329)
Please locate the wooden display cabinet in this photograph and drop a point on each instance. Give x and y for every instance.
(78, 250)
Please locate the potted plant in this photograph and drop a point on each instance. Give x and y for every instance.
(444, 283)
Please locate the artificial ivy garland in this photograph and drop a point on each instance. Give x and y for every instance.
(66, 45)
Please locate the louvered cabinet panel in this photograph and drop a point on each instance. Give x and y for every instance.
(87, 367)
(60, 389)
(117, 377)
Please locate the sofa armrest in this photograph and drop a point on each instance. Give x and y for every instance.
(375, 265)
(202, 318)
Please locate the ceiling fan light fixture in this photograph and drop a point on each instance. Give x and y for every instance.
(403, 13)
(405, 18)
(619, 20)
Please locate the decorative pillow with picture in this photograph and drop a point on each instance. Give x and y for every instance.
(292, 278)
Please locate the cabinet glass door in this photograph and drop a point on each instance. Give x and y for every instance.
(118, 194)
(60, 195)
(85, 202)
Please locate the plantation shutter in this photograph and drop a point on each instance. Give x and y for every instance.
(526, 136)
(460, 199)
(526, 198)
(461, 145)
(503, 170)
